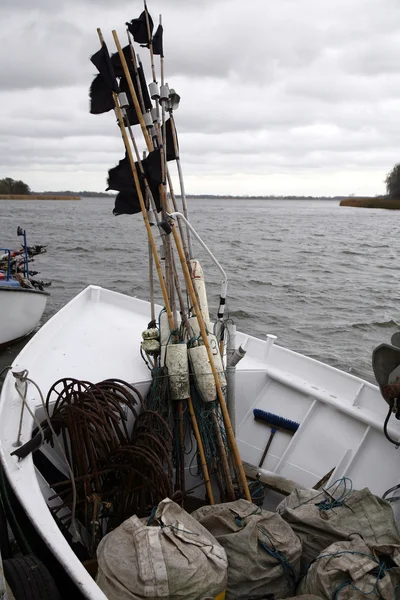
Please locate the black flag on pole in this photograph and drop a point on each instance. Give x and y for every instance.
(116, 62)
(145, 90)
(101, 98)
(120, 178)
(138, 29)
(127, 203)
(171, 154)
(102, 62)
(158, 41)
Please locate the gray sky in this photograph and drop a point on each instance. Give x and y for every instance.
(291, 97)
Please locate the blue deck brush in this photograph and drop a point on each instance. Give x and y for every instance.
(276, 423)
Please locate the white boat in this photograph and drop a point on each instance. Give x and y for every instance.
(22, 301)
(97, 336)
(20, 310)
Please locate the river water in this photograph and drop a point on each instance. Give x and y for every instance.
(323, 278)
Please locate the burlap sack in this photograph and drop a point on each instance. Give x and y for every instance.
(353, 571)
(175, 557)
(263, 552)
(361, 512)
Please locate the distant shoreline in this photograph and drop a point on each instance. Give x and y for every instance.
(387, 203)
(36, 197)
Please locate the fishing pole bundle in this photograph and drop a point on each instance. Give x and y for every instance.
(185, 358)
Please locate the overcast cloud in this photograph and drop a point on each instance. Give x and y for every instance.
(278, 96)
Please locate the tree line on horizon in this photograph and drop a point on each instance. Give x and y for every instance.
(11, 186)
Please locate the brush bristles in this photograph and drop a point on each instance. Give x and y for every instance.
(276, 420)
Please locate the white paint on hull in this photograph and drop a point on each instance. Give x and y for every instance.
(20, 311)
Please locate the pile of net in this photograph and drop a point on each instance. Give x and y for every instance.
(322, 518)
(263, 551)
(170, 555)
(353, 570)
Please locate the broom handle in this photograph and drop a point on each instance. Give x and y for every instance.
(271, 437)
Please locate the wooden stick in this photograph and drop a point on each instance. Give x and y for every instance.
(139, 192)
(134, 62)
(136, 104)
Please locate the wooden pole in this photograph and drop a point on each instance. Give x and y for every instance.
(136, 104)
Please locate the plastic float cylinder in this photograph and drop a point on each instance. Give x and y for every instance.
(203, 377)
(176, 359)
(148, 121)
(155, 117)
(164, 92)
(200, 287)
(212, 340)
(123, 100)
(154, 90)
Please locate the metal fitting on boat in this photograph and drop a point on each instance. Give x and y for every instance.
(21, 374)
(237, 356)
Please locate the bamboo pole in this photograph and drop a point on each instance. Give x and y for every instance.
(136, 104)
(135, 69)
(140, 196)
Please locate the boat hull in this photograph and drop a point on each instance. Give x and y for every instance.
(97, 336)
(20, 311)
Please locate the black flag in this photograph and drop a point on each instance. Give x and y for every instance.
(101, 60)
(138, 29)
(117, 65)
(145, 90)
(127, 203)
(120, 178)
(101, 98)
(171, 154)
(158, 41)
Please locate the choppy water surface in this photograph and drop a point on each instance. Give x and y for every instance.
(324, 279)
